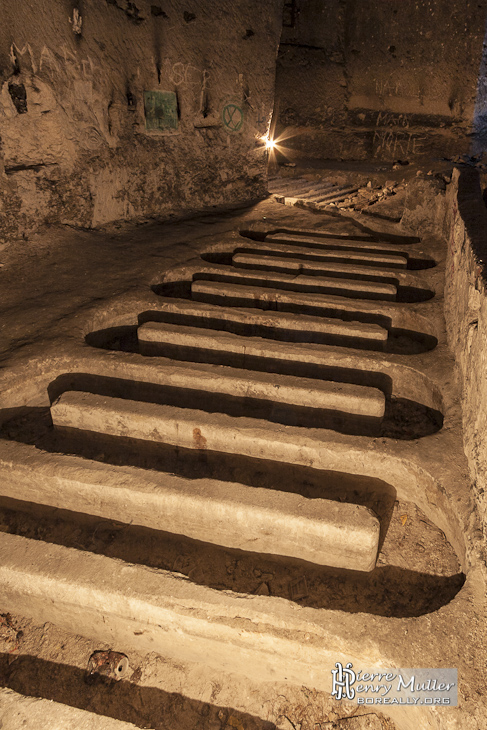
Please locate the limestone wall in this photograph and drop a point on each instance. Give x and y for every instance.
(386, 80)
(466, 317)
(126, 109)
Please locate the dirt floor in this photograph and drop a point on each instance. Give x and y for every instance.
(47, 662)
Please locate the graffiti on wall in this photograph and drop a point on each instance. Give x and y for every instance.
(396, 143)
(183, 74)
(388, 87)
(392, 119)
(63, 59)
(232, 117)
(49, 61)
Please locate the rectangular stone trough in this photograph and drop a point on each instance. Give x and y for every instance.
(324, 196)
(297, 239)
(222, 292)
(233, 515)
(137, 608)
(366, 288)
(355, 400)
(301, 266)
(277, 322)
(377, 258)
(155, 336)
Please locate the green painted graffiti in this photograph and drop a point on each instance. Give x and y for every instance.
(232, 117)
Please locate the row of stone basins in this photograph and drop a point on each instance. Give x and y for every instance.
(259, 444)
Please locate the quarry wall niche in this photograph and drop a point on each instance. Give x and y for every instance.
(387, 80)
(112, 109)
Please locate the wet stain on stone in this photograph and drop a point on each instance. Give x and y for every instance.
(199, 439)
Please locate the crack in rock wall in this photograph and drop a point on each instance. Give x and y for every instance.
(118, 110)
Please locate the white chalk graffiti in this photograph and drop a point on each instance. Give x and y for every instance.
(48, 61)
(184, 74)
(388, 87)
(389, 119)
(396, 143)
(204, 88)
(17, 53)
(51, 61)
(76, 22)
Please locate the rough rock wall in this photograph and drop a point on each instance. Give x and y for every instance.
(121, 109)
(393, 79)
(466, 318)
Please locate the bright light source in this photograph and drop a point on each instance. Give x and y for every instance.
(269, 144)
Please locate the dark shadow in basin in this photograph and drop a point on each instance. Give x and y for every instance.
(400, 341)
(405, 294)
(363, 234)
(386, 591)
(404, 418)
(126, 700)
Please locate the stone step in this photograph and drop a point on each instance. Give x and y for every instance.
(300, 282)
(146, 610)
(302, 190)
(319, 242)
(294, 190)
(153, 336)
(288, 326)
(287, 389)
(316, 192)
(338, 194)
(271, 263)
(325, 234)
(132, 374)
(200, 430)
(281, 185)
(232, 515)
(363, 257)
(358, 234)
(222, 293)
(299, 186)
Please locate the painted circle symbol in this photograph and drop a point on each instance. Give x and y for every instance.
(233, 117)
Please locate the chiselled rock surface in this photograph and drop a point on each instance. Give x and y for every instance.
(132, 110)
